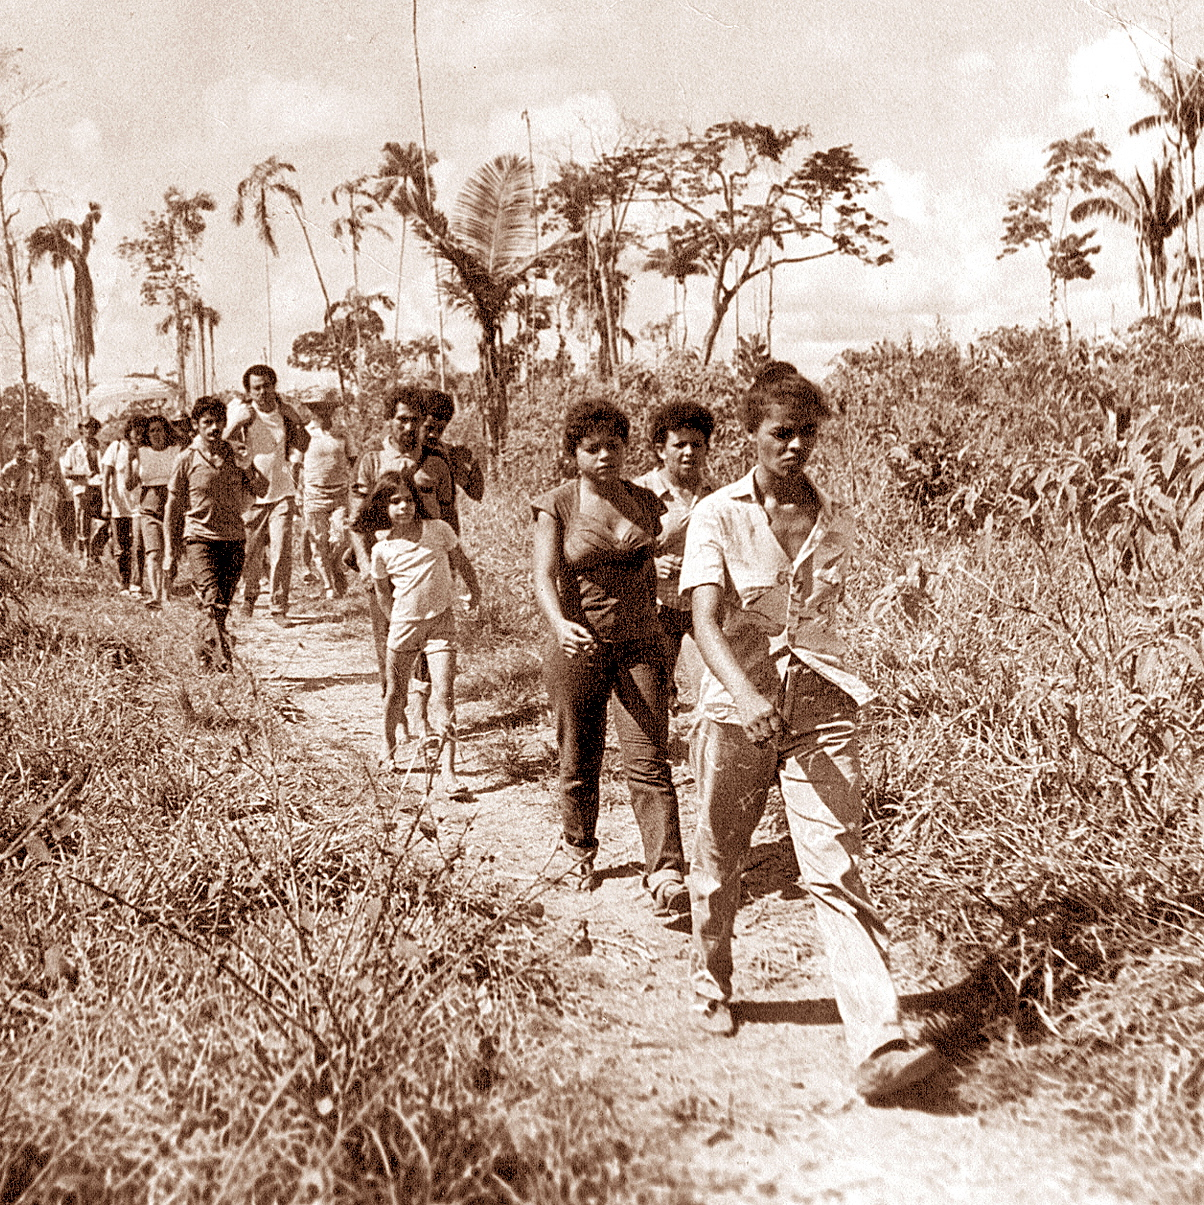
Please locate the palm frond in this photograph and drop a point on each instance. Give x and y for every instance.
(1108, 208)
(494, 214)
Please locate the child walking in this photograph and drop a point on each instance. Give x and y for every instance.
(412, 569)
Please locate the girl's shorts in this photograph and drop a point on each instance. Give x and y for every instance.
(152, 532)
(437, 635)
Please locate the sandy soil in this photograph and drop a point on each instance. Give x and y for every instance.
(768, 1114)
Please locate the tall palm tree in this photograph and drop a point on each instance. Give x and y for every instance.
(402, 166)
(183, 229)
(488, 242)
(1155, 214)
(1181, 111)
(270, 179)
(65, 243)
(206, 318)
(254, 196)
(360, 203)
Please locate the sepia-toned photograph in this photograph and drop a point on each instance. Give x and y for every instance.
(601, 603)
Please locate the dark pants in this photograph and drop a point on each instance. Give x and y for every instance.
(91, 529)
(121, 531)
(675, 624)
(216, 566)
(579, 688)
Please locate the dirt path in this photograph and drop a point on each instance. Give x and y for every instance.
(768, 1114)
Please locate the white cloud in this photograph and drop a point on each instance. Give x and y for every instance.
(85, 138)
(1103, 91)
(906, 191)
(974, 63)
(269, 111)
(579, 126)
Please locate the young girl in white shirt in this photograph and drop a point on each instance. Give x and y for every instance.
(413, 560)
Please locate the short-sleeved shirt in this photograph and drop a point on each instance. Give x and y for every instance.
(672, 541)
(327, 461)
(217, 492)
(606, 582)
(154, 472)
(772, 609)
(81, 466)
(122, 500)
(431, 475)
(154, 468)
(419, 570)
(18, 475)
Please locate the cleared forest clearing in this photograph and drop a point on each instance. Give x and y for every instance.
(238, 966)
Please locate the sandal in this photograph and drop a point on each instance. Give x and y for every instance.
(582, 874)
(671, 898)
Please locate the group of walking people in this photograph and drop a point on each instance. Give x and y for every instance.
(754, 571)
(623, 570)
(230, 504)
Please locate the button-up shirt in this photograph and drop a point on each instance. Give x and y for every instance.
(679, 506)
(775, 612)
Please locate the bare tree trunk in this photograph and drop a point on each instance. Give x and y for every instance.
(267, 283)
(608, 330)
(13, 287)
(426, 186)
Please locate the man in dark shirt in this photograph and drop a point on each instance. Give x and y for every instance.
(210, 487)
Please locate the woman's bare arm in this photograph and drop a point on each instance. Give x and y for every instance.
(573, 638)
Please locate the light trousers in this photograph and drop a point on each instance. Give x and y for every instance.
(270, 525)
(817, 768)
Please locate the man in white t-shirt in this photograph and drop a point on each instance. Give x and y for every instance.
(118, 498)
(327, 482)
(276, 439)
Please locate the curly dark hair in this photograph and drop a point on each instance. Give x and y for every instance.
(441, 405)
(209, 404)
(413, 396)
(681, 416)
(259, 370)
(373, 516)
(780, 382)
(586, 416)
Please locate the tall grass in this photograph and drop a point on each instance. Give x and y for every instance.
(235, 968)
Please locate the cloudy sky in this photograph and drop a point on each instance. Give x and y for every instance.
(951, 106)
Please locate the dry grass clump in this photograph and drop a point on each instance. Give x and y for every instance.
(232, 968)
(1029, 606)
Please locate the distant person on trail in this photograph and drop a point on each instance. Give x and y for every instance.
(681, 439)
(119, 499)
(327, 486)
(412, 569)
(53, 512)
(17, 476)
(207, 494)
(156, 459)
(80, 465)
(276, 439)
(463, 467)
(595, 582)
(764, 563)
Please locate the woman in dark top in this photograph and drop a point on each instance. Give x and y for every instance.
(595, 582)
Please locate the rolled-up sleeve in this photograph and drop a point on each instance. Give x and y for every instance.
(703, 562)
